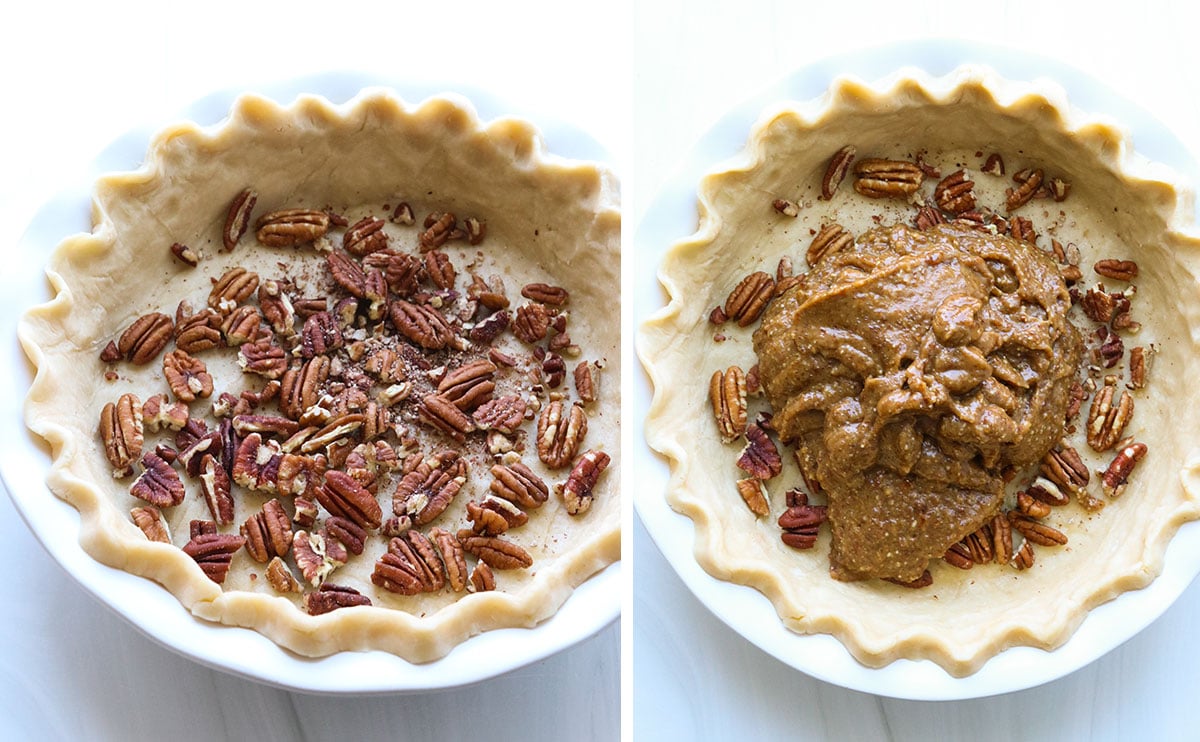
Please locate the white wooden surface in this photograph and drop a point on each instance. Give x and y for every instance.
(693, 678)
(73, 76)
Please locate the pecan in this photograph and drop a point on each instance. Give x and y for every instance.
(1036, 531)
(268, 532)
(237, 221)
(310, 554)
(349, 535)
(185, 254)
(401, 272)
(280, 578)
(1119, 469)
(291, 227)
(1022, 229)
(439, 269)
(300, 387)
(214, 483)
(1118, 270)
(560, 432)
(403, 214)
(727, 393)
(441, 413)
(1059, 189)
(453, 561)
(188, 377)
(242, 325)
(1002, 546)
(424, 493)
(338, 430)
(577, 490)
(504, 414)
(143, 340)
(958, 556)
(518, 484)
(880, 178)
(531, 323)
(1023, 559)
(122, 433)
(158, 484)
(347, 273)
(543, 293)
(411, 565)
(832, 238)
(1099, 305)
(925, 580)
(421, 324)
(476, 229)
(268, 424)
(150, 521)
(1064, 467)
(490, 294)
(256, 464)
(232, 288)
(438, 228)
(956, 192)
(263, 358)
(346, 498)
(482, 579)
(1111, 349)
(495, 552)
(994, 165)
(320, 335)
(366, 236)
(801, 522)
(386, 365)
(469, 385)
(1028, 182)
(330, 597)
(1044, 490)
(1026, 505)
(586, 382)
(785, 207)
(198, 332)
(277, 307)
(980, 544)
(494, 516)
(749, 298)
(488, 329)
(836, 170)
(1137, 367)
(759, 458)
(1108, 415)
(928, 217)
(754, 494)
(214, 552)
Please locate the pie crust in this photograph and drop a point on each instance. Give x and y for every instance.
(548, 220)
(1119, 206)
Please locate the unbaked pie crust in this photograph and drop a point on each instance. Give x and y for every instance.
(1119, 206)
(548, 219)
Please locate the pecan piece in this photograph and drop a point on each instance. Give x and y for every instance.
(881, 178)
(801, 522)
(494, 516)
(1117, 473)
(754, 494)
(1046, 491)
(442, 414)
(518, 484)
(1064, 467)
(1118, 270)
(749, 298)
(386, 365)
(188, 377)
(1002, 546)
(560, 432)
(421, 324)
(1023, 559)
(544, 293)
(280, 577)
(233, 287)
(1108, 415)
(504, 414)
(836, 170)
(268, 532)
(956, 192)
(214, 483)
(438, 228)
(242, 325)
(310, 554)
(291, 227)
(453, 560)
(482, 579)
(1137, 367)
(587, 381)
(256, 464)
(425, 492)
(344, 497)
(338, 430)
(759, 458)
(994, 165)
(330, 597)
(581, 482)
(214, 552)
(469, 385)
(198, 332)
(411, 565)
(277, 307)
(1036, 531)
(143, 340)
(300, 387)
(531, 322)
(185, 254)
(320, 335)
(832, 238)
(237, 220)
(1028, 182)
(495, 552)
(158, 484)
(785, 207)
(365, 236)
(150, 521)
(727, 393)
(122, 433)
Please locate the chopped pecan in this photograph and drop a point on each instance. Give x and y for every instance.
(749, 298)
(759, 458)
(518, 484)
(994, 165)
(587, 382)
(421, 324)
(1137, 367)
(237, 220)
(1111, 349)
(122, 433)
(263, 358)
(150, 521)
(754, 494)
(214, 483)
(425, 492)
(143, 340)
(1059, 189)
(411, 565)
(727, 393)
(490, 294)
(187, 376)
(277, 307)
(1044, 490)
(291, 227)
(531, 322)
(185, 254)
(439, 269)
(365, 236)
(544, 293)
(233, 287)
(442, 414)
(403, 214)
(956, 192)
(581, 482)
(495, 552)
(832, 238)
(402, 272)
(1022, 229)
(1027, 187)
(1118, 270)
(214, 553)
(438, 228)
(268, 532)
(560, 432)
(1036, 531)
(1117, 473)
(836, 170)
(1108, 415)
(344, 497)
(1100, 306)
(475, 228)
(158, 484)
(489, 328)
(330, 597)
(786, 207)
(280, 577)
(453, 560)
(469, 385)
(881, 178)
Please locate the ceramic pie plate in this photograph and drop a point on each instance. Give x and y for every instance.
(874, 633)
(591, 606)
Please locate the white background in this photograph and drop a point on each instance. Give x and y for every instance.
(693, 677)
(77, 75)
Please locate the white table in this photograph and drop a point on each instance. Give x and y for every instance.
(74, 78)
(694, 678)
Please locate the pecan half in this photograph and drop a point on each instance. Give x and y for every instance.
(531, 322)
(330, 597)
(754, 494)
(1118, 270)
(560, 432)
(836, 170)
(300, 387)
(256, 464)
(956, 192)
(482, 579)
(411, 565)
(1117, 473)
(122, 433)
(214, 483)
(365, 236)
(237, 220)
(150, 521)
(198, 332)
(518, 484)
(187, 376)
(438, 228)
(1036, 531)
(581, 482)
(143, 340)
(1137, 367)
(1002, 545)
(504, 414)
(291, 227)
(263, 358)
(1108, 415)
(343, 496)
(158, 484)
(320, 335)
(454, 562)
(881, 178)
(242, 325)
(1028, 183)
(280, 577)
(268, 532)
(214, 553)
(749, 298)
(309, 551)
(442, 414)
(425, 492)
(494, 516)
(1023, 559)
(544, 293)
(421, 324)
(1063, 466)
(832, 238)
(759, 458)
(801, 522)
(469, 385)
(727, 393)
(233, 287)
(495, 552)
